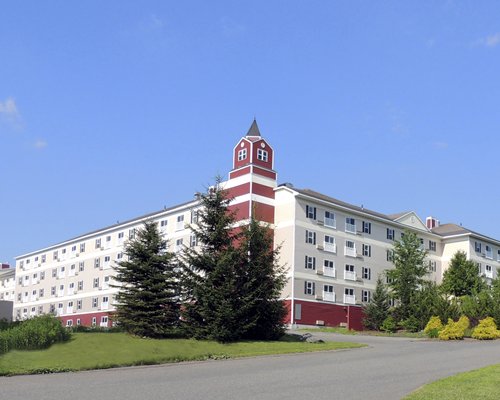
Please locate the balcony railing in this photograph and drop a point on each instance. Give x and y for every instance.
(349, 275)
(349, 299)
(350, 251)
(327, 271)
(328, 296)
(330, 222)
(330, 247)
(351, 228)
(488, 274)
(489, 254)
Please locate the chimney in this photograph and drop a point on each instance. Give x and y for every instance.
(431, 222)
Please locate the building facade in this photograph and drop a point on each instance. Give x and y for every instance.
(333, 251)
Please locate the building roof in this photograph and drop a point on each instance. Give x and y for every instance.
(254, 129)
(312, 193)
(450, 229)
(397, 215)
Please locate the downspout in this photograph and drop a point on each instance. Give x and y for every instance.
(292, 303)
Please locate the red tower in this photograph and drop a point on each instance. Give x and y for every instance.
(253, 179)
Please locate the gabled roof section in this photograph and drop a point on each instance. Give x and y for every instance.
(409, 218)
(254, 129)
(312, 193)
(450, 230)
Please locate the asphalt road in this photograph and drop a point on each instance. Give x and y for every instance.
(388, 369)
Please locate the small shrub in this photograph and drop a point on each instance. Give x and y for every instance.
(389, 325)
(454, 330)
(411, 324)
(486, 330)
(433, 327)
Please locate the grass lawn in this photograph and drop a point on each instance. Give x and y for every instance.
(106, 350)
(345, 331)
(481, 384)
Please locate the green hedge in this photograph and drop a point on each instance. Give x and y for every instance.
(33, 334)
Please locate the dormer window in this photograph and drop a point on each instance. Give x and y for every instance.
(262, 155)
(242, 154)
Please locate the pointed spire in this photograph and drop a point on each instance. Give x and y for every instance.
(254, 129)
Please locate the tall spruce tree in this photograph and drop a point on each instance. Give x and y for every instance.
(377, 310)
(215, 306)
(148, 302)
(462, 277)
(261, 280)
(408, 274)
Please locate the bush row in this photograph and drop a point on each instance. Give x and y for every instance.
(33, 334)
(485, 330)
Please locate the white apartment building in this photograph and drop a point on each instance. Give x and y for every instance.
(333, 251)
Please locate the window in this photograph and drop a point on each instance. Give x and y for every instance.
(367, 250)
(54, 256)
(97, 263)
(262, 155)
(107, 259)
(329, 244)
(69, 322)
(390, 255)
(367, 273)
(94, 321)
(54, 272)
(82, 247)
(78, 304)
(80, 285)
(350, 225)
(178, 245)
(119, 256)
(498, 255)
(242, 154)
(81, 266)
(53, 291)
(72, 270)
(390, 234)
(367, 227)
(432, 266)
(349, 297)
(310, 262)
(349, 273)
(310, 237)
(350, 248)
(477, 247)
(488, 251)
(97, 243)
(330, 219)
(488, 271)
(194, 216)
(44, 258)
(180, 222)
(328, 293)
(95, 283)
(432, 245)
(95, 302)
(78, 321)
(42, 292)
(73, 249)
(42, 275)
(329, 268)
(131, 234)
(310, 212)
(104, 321)
(309, 288)
(365, 296)
(193, 241)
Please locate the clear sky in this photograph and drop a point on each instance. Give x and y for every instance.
(113, 109)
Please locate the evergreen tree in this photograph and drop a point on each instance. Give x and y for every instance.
(377, 310)
(214, 305)
(462, 277)
(409, 270)
(261, 280)
(147, 302)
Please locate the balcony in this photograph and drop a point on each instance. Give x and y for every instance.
(489, 254)
(350, 251)
(330, 222)
(351, 228)
(327, 271)
(330, 247)
(488, 274)
(104, 305)
(349, 275)
(349, 299)
(329, 296)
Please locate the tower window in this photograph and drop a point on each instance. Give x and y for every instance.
(262, 155)
(242, 154)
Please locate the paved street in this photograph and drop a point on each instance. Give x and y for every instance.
(387, 369)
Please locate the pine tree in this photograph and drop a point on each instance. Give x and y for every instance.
(148, 301)
(377, 310)
(214, 306)
(462, 277)
(409, 270)
(261, 280)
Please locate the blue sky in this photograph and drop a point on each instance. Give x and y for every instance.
(110, 110)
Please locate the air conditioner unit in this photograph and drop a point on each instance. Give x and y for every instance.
(318, 297)
(319, 246)
(100, 287)
(77, 254)
(359, 233)
(101, 248)
(320, 322)
(320, 222)
(319, 272)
